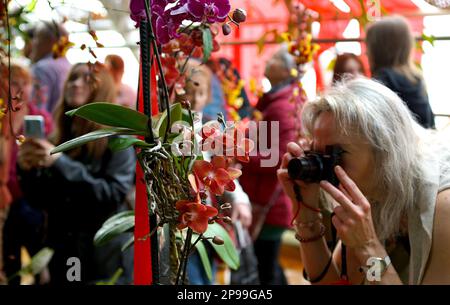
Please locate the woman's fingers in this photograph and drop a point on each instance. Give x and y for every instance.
(294, 149)
(338, 223)
(304, 144)
(352, 189)
(284, 178)
(343, 215)
(342, 189)
(285, 160)
(339, 197)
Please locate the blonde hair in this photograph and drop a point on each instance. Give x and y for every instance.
(196, 73)
(20, 71)
(367, 111)
(390, 44)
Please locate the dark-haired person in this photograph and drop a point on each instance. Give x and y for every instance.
(48, 72)
(81, 188)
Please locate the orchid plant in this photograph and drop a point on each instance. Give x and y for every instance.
(170, 146)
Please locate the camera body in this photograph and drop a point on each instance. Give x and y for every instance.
(315, 167)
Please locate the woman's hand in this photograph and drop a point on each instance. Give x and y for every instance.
(243, 213)
(309, 191)
(28, 157)
(353, 217)
(35, 153)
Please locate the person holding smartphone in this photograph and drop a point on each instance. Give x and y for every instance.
(81, 188)
(24, 224)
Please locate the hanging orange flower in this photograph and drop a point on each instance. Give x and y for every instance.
(194, 215)
(216, 175)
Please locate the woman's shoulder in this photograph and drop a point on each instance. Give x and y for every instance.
(435, 149)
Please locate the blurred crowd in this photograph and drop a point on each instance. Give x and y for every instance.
(61, 200)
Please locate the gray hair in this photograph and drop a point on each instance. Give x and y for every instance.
(287, 59)
(51, 30)
(368, 111)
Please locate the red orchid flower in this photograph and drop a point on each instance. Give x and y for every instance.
(170, 70)
(197, 53)
(243, 145)
(194, 215)
(209, 133)
(171, 47)
(243, 149)
(216, 175)
(186, 43)
(235, 143)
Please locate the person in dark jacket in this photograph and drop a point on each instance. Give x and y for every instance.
(390, 47)
(260, 182)
(81, 188)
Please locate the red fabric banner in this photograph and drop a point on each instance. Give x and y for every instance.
(142, 249)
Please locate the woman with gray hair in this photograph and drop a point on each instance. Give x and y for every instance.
(391, 202)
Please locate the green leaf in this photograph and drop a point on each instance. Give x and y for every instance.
(204, 259)
(38, 262)
(227, 252)
(92, 136)
(114, 226)
(117, 216)
(128, 243)
(331, 65)
(31, 6)
(429, 38)
(185, 116)
(207, 44)
(112, 115)
(176, 114)
(260, 43)
(121, 143)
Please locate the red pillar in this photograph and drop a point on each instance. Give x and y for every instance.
(237, 50)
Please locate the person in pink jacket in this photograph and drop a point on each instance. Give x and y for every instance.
(259, 181)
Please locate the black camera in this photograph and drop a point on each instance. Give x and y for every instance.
(315, 166)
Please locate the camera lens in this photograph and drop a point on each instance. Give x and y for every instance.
(308, 169)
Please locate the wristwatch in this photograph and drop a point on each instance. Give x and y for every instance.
(377, 262)
(383, 263)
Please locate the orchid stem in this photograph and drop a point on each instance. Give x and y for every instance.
(188, 248)
(160, 68)
(200, 237)
(184, 258)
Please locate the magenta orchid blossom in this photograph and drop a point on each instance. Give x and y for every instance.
(166, 22)
(209, 10)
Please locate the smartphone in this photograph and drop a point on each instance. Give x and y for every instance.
(34, 126)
